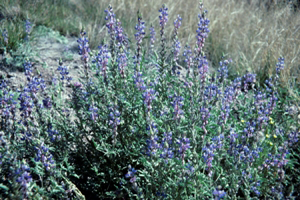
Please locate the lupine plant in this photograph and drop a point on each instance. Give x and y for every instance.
(131, 131)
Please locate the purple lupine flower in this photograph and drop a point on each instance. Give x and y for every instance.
(114, 121)
(47, 103)
(28, 68)
(77, 85)
(94, 113)
(233, 136)
(202, 31)
(138, 81)
(121, 38)
(275, 163)
(293, 138)
(27, 28)
(189, 59)
(165, 147)
(102, 61)
(223, 70)
(184, 145)
(279, 65)
(152, 145)
(149, 95)
(139, 35)
(218, 141)
(26, 136)
(249, 130)
(5, 36)
(111, 20)
(219, 194)
(152, 128)
(53, 134)
(26, 106)
(271, 103)
(83, 46)
(131, 174)
(202, 67)
(64, 72)
(111, 25)
(152, 37)
(205, 114)
(176, 43)
(208, 156)
(248, 82)
(163, 18)
(237, 84)
(254, 188)
(7, 103)
(211, 92)
(122, 62)
(24, 179)
(43, 155)
(177, 104)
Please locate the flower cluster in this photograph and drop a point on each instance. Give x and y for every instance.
(131, 174)
(152, 37)
(43, 155)
(202, 31)
(27, 28)
(149, 95)
(24, 179)
(177, 104)
(53, 134)
(102, 61)
(83, 46)
(114, 121)
(218, 193)
(64, 71)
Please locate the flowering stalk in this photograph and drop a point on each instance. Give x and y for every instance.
(121, 43)
(149, 96)
(176, 43)
(152, 38)
(114, 122)
(27, 29)
(189, 59)
(202, 31)
(111, 23)
(184, 145)
(84, 51)
(139, 35)
(163, 19)
(102, 61)
(177, 104)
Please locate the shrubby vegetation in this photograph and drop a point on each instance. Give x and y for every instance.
(141, 126)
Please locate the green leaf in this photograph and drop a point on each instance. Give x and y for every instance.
(4, 187)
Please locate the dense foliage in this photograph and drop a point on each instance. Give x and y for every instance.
(140, 126)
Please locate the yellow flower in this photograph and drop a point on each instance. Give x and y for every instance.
(275, 136)
(267, 135)
(271, 122)
(271, 143)
(243, 121)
